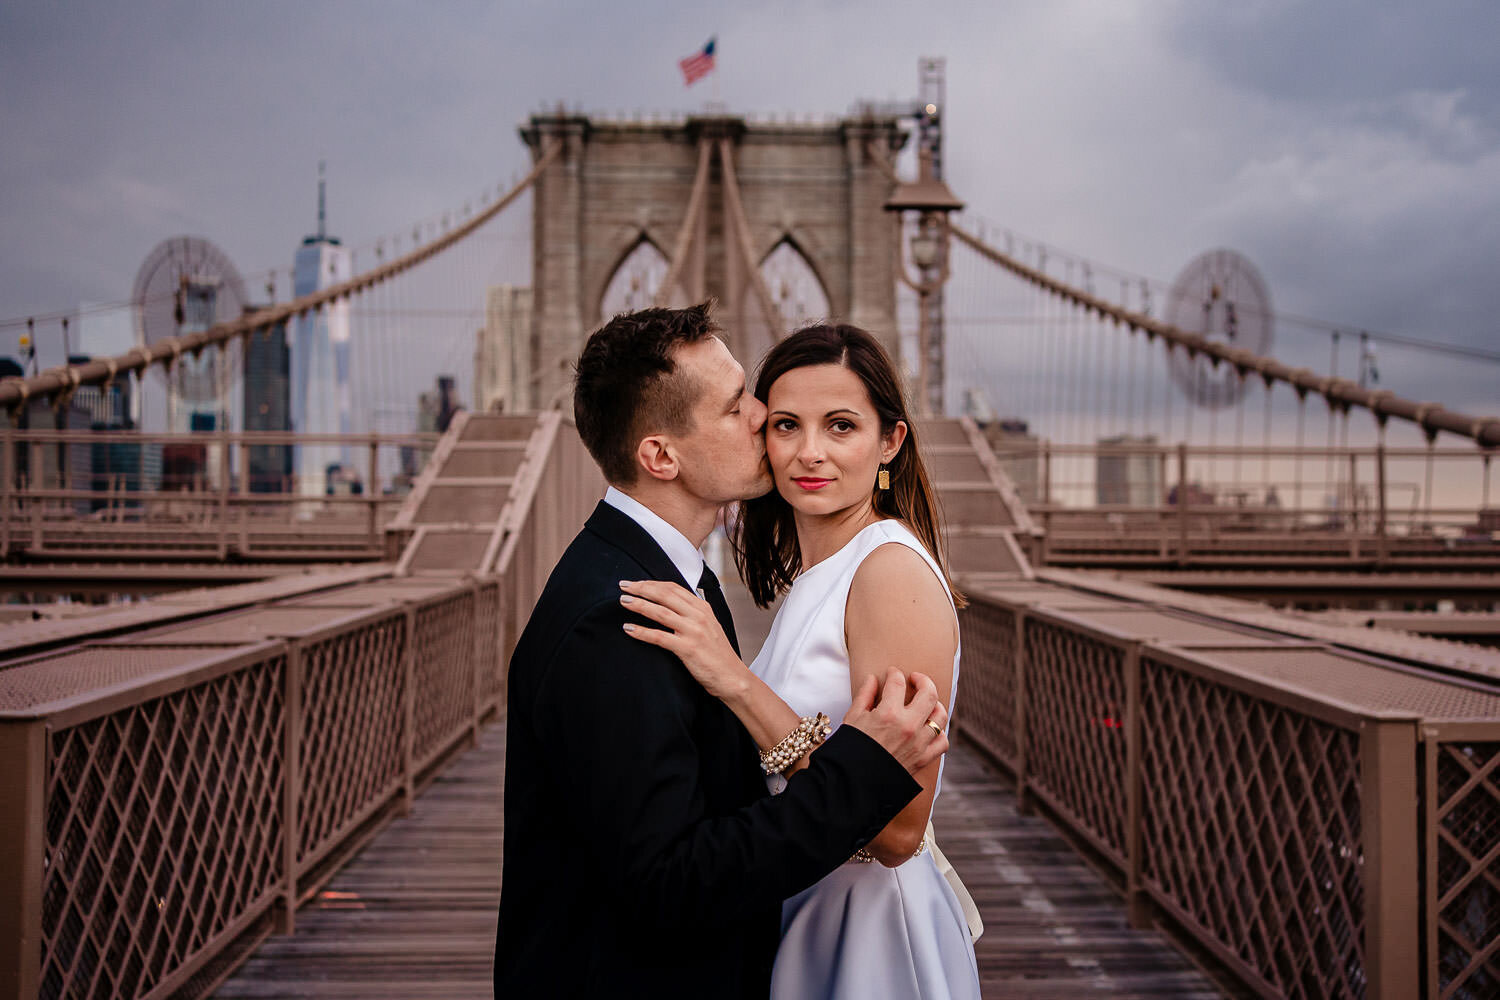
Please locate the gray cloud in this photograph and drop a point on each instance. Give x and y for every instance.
(1351, 150)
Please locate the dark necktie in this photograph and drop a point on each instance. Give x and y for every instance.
(708, 585)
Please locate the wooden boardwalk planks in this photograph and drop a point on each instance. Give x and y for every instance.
(413, 915)
(1053, 928)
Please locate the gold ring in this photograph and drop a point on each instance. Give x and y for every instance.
(935, 727)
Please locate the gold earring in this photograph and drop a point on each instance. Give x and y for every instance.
(883, 481)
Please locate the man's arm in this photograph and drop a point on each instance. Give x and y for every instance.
(615, 716)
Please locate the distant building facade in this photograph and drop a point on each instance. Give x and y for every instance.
(1123, 476)
(106, 332)
(435, 411)
(268, 407)
(502, 354)
(1019, 453)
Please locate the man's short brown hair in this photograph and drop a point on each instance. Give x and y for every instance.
(627, 385)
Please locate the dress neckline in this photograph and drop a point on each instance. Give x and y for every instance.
(841, 549)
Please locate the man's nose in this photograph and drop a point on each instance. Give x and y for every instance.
(758, 413)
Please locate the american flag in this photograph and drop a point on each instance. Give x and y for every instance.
(697, 65)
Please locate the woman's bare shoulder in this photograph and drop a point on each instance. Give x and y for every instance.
(896, 596)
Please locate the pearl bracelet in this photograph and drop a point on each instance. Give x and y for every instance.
(811, 730)
(864, 857)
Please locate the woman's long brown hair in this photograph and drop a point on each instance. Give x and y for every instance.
(764, 535)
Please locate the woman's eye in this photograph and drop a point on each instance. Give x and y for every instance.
(842, 425)
(783, 425)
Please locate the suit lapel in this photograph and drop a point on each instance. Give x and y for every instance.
(618, 529)
(735, 753)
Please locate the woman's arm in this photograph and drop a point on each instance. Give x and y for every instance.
(898, 617)
(698, 640)
(692, 633)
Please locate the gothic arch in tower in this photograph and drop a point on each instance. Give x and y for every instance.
(635, 279)
(794, 284)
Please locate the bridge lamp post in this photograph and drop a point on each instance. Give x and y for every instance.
(930, 198)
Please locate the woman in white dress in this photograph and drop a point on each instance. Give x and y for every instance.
(851, 536)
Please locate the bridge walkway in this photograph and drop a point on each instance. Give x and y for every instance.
(413, 915)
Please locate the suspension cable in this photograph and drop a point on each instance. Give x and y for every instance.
(689, 226)
(1339, 392)
(15, 391)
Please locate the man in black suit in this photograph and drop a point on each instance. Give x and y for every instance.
(643, 855)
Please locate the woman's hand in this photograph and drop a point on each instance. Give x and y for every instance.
(695, 635)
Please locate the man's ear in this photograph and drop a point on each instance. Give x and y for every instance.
(657, 457)
(891, 443)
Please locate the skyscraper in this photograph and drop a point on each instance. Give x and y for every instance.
(320, 356)
(268, 407)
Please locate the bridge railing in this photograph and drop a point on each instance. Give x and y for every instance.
(551, 502)
(1181, 502)
(171, 797)
(204, 494)
(1267, 794)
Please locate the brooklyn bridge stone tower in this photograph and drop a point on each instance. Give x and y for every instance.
(711, 200)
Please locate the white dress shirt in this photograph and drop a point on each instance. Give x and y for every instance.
(683, 553)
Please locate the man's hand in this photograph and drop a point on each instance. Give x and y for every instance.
(915, 731)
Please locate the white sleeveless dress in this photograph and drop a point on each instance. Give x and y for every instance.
(864, 932)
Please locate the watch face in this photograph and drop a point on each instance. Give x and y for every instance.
(1222, 297)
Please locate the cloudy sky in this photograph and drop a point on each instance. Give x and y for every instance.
(1350, 149)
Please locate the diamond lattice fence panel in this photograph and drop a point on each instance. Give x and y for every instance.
(1251, 831)
(987, 678)
(1468, 870)
(444, 674)
(1075, 734)
(163, 827)
(351, 747)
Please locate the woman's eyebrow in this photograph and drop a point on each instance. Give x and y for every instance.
(843, 409)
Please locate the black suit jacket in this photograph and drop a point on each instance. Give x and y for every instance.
(643, 856)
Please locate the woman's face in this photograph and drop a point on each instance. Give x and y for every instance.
(823, 439)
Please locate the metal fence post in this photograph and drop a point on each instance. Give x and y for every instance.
(35, 481)
(1388, 807)
(223, 497)
(7, 484)
(291, 788)
(1023, 802)
(372, 492)
(1164, 548)
(1182, 504)
(1046, 447)
(475, 678)
(1353, 505)
(1382, 546)
(409, 710)
(1135, 897)
(23, 760)
(1428, 810)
